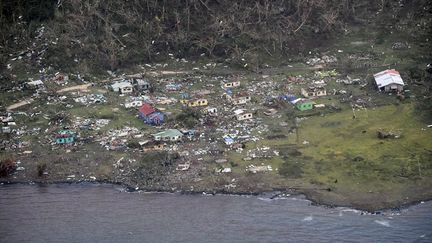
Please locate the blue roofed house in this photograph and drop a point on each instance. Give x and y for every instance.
(150, 115)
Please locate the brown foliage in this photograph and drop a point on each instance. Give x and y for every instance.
(112, 34)
(7, 167)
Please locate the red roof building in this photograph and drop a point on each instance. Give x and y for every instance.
(146, 109)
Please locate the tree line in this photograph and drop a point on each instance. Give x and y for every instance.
(117, 33)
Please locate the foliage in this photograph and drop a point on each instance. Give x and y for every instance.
(153, 166)
(189, 117)
(41, 168)
(7, 167)
(291, 168)
(112, 34)
(133, 144)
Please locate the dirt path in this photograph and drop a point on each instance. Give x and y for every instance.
(19, 104)
(82, 87)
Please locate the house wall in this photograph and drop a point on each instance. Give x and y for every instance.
(393, 87)
(315, 93)
(212, 110)
(125, 90)
(200, 102)
(65, 140)
(167, 138)
(134, 104)
(155, 118)
(241, 100)
(231, 84)
(305, 106)
(321, 92)
(244, 116)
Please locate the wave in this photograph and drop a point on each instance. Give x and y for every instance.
(308, 218)
(385, 223)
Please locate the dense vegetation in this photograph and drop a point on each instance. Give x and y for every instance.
(112, 34)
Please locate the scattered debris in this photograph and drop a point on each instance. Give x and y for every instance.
(261, 168)
(382, 134)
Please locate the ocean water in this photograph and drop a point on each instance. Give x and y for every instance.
(107, 213)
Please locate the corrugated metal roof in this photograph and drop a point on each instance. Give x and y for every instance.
(386, 77)
(119, 85)
(146, 109)
(169, 133)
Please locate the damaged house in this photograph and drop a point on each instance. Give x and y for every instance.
(197, 102)
(211, 111)
(239, 99)
(242, 115)
(303, 105)
(65, 137)
(37, 84)
(314, 91)
(141, 85)
(133, 103)
(172, 135)
(233, 84)
(7, 122)
(122, 87)
(173, 87)
(389, 81)
(150, 115)
(60, 78)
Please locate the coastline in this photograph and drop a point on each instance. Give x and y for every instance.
(309, 195)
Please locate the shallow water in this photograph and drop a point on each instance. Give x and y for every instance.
(105, 213)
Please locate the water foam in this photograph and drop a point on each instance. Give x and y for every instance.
(385, 223)
(308, 218)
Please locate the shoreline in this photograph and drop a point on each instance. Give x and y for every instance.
(274, 193)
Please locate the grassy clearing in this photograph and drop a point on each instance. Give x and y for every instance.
(347, 150)
(339, 133)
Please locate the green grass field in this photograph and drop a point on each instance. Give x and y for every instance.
(347, 156)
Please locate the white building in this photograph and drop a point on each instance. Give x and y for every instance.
(168, 135)
(389, 80)
(242, 115)
(135, 103)
(231, 84)
(122, 87)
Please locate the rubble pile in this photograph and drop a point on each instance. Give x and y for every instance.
(91, 99)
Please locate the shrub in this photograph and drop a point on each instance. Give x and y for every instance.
(189, 117)
(133, 144)
(41, 168)
(291, 169)
(153, 166)
(7, 167)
